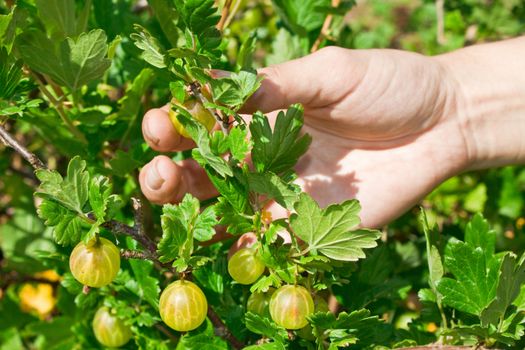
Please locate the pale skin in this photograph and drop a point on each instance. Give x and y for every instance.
(388, 126)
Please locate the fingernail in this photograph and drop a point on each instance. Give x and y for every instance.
(148, 134)
(153, 179)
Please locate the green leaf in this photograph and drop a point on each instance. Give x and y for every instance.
(245, 55)
(264, 283)
(511, 278)
(265, 327)
(151, 50)
(71, 191)
(204, 227)
(232, 189)
(236, 222)
(73, 64)
(278, 151)
(10, 75)
(203, 154)
(332, 231)
(238, 143)
(302, 16)
(180, 225)
(357, 324)
(167, 17)
(67, 225)
(58, 17)
(203, 341)
(176, 241)
(478, 234)
(235, 89)
(199, 18)
(99, 191)
(286, 47)
(10, 26)
(148, 285)
(275, 188)
(476, 279)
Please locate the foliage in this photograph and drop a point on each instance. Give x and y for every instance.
(75, 79)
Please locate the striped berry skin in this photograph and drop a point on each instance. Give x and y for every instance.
(245, 267)
(95, 265)
(183, 306)
(109, 330)
(290, 305)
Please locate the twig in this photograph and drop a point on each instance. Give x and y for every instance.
(233, 11)
(224, 14)
(9, 141)
(134, 254)
(223, 331)
(440, 15)
(123, 229)
(325, 28)
(137, 214)
(166, 332)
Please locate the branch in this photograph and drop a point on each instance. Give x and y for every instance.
(222, 330)
(224, 14)
(134, 254)
(137, 214)
(120, 228)
(166, 332)
(10, 141)
(325, 28)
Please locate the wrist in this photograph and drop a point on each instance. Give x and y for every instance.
(486, 93)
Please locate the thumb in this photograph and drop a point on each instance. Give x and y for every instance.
(298, 81)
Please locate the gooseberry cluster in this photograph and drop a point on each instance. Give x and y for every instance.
(183, 305)
(288, 306)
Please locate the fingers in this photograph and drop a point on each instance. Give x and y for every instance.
(160, 134)
(310, 80)
(164, 181)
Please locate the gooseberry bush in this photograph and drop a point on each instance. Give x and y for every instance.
(88, 263)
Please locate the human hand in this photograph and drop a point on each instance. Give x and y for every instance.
(382, 121)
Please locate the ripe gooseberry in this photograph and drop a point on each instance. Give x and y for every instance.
(320, 305)
(198, 112)
(245, 267)
(290, 305)
(109, 330)
(183, 306)
(95, 264)
(259, 303)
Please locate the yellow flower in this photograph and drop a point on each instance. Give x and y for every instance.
(37, 298)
